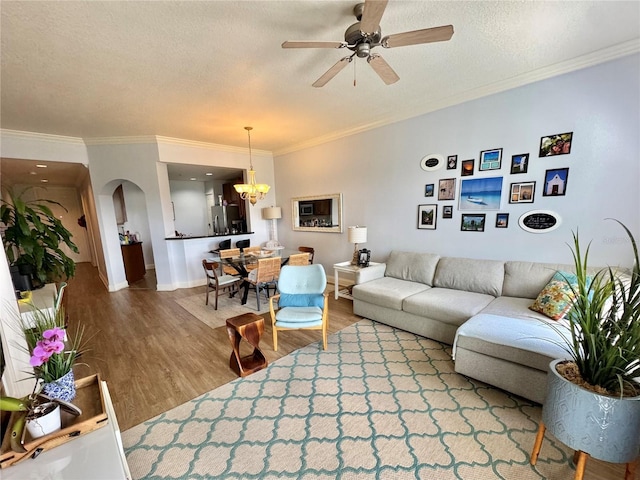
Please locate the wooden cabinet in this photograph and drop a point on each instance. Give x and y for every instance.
(322, 207)
(133, 259)
(232, 197)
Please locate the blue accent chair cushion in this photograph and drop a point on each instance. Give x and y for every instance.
(301, 300)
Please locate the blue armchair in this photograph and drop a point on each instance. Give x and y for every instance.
(302, 302)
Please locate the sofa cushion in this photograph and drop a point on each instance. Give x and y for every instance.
(387, 291)
(527, 342)
(446, 305)
(470, 275)
(515, 308)
(527, 279)
(416, 267)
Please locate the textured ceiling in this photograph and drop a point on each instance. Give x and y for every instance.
(202, 70)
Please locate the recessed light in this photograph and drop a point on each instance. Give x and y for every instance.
(192, 178)
(208, 174)
(41, 165)
(44, 180)
(33, 173)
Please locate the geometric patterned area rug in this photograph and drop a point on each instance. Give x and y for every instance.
(380, 403)
(227, 307)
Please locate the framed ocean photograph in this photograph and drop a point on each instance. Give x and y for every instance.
(502, 220)
(490, 160)
(520, 163)
(427, 217)
(480, 193)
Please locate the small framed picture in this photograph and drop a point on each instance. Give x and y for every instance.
(555, 182)
(467, 168)
(427, 217)
(428, 190)
(447, 211)
(490, 160)
(452, 162)
(520, 163)
(502, 220)
(558, 144)
(522, 192)
(473, 222)
(447, 189)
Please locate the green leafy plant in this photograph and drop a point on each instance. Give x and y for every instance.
(34, 237)
(605, 324)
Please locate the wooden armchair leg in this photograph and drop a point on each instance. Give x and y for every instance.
(538, 443)
(580, 459)
(630, 471)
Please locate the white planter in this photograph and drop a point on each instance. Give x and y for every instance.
(607, 428)
(45, 424)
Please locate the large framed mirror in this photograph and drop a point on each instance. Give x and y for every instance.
(319, 213)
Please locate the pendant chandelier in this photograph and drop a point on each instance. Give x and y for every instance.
(251, 190)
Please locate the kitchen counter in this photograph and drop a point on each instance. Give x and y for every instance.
(187, 237)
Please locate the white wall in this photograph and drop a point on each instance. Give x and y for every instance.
(379, 175)
(190, 207)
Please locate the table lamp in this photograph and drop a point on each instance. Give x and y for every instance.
(272, 213)
(356, 235)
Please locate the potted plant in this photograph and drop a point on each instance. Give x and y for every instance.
(593, 399)
(33, 239)
(52, 352)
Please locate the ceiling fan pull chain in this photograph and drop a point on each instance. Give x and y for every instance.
(354, 73)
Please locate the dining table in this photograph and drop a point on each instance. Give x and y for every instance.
(244, 263)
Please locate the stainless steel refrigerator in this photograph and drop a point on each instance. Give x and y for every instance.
(224, 218)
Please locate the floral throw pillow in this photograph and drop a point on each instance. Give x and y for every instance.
(557, 297)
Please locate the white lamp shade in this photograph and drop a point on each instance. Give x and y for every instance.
(357, 234)
(271, 213)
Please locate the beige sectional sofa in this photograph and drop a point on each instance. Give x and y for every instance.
(481, 307)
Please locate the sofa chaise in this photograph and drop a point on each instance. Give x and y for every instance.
(480, 307)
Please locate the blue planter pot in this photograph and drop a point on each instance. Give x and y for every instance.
(607, 428)
(64, 388)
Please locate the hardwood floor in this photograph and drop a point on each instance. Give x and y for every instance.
(155, 355)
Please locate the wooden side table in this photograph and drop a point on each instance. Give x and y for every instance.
(249, 327)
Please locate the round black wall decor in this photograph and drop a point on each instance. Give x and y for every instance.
(539, 221)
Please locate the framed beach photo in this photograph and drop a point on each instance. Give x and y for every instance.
(427, 217)
(490, 160)
(522, 192)
(520, 163)
(452, 162)
(447, 189)
(473, 222)
(502, 220)
(558, 144)
(428, 190)
(447, 211)
(467, 168)
(480, 193)
(555, 182)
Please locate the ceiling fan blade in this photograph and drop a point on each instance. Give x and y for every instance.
(314, 44)
(332, 72)
(382, 68)
(426, 35)
(371, 15)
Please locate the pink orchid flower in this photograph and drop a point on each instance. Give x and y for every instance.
(54, 334)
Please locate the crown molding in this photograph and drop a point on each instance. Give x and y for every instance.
(42, 137)
(211, 146)
(578, 63)
(135, 140)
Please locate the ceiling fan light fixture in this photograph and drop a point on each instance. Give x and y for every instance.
(251, 191)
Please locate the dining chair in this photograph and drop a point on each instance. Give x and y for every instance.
(242, 244)
(224, 244)
(310, 250)
(219, 283)
(250, 250)
(264, 276)
(302, 303)
(228, 253)
(299, 259)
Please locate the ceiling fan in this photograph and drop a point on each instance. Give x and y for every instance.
(364, 35)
